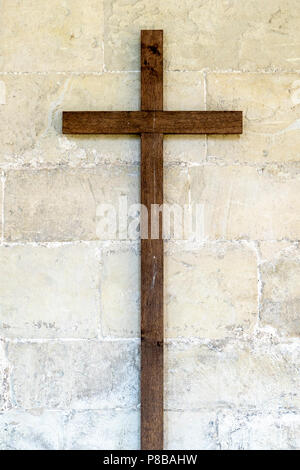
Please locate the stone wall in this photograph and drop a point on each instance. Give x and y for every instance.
(69, 300)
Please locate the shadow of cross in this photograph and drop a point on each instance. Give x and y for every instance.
(152, 123)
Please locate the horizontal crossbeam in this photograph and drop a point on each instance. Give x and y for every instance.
(161, 122)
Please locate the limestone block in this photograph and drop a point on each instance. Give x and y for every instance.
(184, 91)
(102, 430)
(257, 430)
(51, 36)
(31, 430)
(239, 202)
(218, 35)
(271, 250)
(120, 293)
(74, 374)
(270, 105)
(280, 275)
(237, 373)
(211, 292)
(232, 429)
(194, 430)
(177, 185)
(49, 292)
(62, 205)
(31, 133)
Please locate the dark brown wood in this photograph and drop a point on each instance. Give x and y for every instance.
(162, 122)
(152, 70)
(152, 251)
(152, 123)
(152, 318)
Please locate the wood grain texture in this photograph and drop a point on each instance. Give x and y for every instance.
(152, 318)
(151, 70)
(152, 251)
(160, 122)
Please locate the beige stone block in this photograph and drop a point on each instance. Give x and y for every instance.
(60, 205)
(4, 379)
(107, 92)
(239, 202)
(102, 430)
(232, 429)
(270, 251)
(257, 430)
(120, 293)
(184, 92)
(214, 34)
(51, 36)
(31, 430)
(237, 373)
(74, 374)
(31, 132)
(280, 302)
(177, 185)
(211, 292)
(49, 292)
(270, 105)
(190, 430)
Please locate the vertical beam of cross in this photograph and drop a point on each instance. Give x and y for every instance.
(152, 259)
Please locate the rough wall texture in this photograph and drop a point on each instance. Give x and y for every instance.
(69, 300)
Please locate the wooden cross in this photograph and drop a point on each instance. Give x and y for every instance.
(151, 123)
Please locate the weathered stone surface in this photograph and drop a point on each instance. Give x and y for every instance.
(102, 430)
(184, 91)
(49, 292)
(177, 185)
(236, 373)
(62, 205)
(270, 105)
(196, 32)
(256, 430)
(190, 430)
(31, 430)
(239, 201)
(74, 374)
(59, 36)
(280, 275)
(232, 429)
(4, 379)
(31, 119)
(120, 293)
(211, 292)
